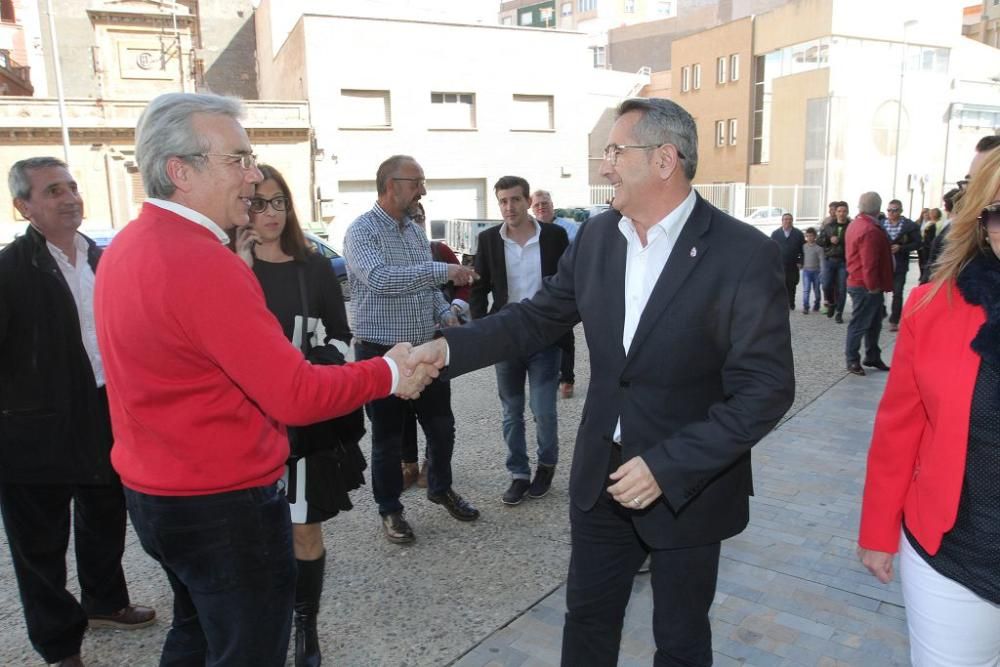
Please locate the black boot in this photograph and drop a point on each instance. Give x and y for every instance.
(308, 587)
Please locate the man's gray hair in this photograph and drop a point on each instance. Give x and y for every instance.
(541, 193)
(18, 180)
(870, 203)
(387, 170)
(665, 122)
(164, 131)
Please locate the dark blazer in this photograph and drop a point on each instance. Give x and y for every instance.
(54, 423)
(791, 246)
(909, 239)
(708, 374)
(491, 265)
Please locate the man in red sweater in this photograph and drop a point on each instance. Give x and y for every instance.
(201, 381)
(869, 276)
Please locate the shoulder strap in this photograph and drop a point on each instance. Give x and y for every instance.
(301, 273)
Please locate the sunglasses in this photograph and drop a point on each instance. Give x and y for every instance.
(894, 210)
(989, 218)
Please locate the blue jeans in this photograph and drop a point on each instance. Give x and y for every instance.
(810, 284)
(229, 560)
(866, 322)
(835, 285)
(542, 371)
(388, 418)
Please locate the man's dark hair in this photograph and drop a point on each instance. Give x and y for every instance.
(949, 199)
(811, 230)
(832, 204)
(988, 143)
(844, 204)
(508, 182)
(895, 201)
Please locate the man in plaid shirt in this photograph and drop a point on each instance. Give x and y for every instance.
(396, 297)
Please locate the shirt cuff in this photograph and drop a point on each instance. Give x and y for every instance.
(395, 374)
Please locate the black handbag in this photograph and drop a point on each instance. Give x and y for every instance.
(332, 434)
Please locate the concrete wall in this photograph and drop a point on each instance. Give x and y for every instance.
(452, 58)
(228, 47)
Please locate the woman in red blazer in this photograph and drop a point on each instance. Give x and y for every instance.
(932, 489)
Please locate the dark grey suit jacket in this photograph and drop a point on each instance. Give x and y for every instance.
(708, 374)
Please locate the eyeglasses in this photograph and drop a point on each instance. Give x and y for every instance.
(247, 161)
(894, 210)
(278, 203)
(989, 218)
(418, 182)
(613, 151)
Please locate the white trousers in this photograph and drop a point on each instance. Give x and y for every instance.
(950, 626)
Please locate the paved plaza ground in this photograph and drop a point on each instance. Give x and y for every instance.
(791, 591)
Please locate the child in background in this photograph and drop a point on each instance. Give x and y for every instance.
(812, 255)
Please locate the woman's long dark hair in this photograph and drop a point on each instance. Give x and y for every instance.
(292, 240)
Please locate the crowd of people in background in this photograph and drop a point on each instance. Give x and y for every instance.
(661, 470)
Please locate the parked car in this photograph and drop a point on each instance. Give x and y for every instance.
(765, 218)
(336, 260)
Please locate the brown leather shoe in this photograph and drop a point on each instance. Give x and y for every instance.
(422, 479)
(71, 661)
(566, 389)
(411, 471)
(131, 617)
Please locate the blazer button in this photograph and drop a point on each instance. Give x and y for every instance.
(624, 384)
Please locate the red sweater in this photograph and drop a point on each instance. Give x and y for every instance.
(869, 257)
(200, 376)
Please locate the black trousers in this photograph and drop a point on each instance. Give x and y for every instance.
(791, 282)
(37, 520)
(567, 345)
(388, 418)
(606, 554)
(898, 282)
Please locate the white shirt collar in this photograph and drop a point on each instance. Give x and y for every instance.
(192, 215)
(671, 224)
(533, 239)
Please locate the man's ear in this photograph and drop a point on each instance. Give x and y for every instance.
(23, 208)
(180, 172)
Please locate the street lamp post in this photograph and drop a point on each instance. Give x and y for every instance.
(899, 106)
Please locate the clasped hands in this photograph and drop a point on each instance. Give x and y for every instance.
(418, 366)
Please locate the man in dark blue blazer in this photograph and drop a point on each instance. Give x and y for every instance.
(685, 319)
(512, 259)
(790, 240)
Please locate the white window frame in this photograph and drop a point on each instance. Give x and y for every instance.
(734, 67)
(720, 70)
(360, 93)
(685, 78)
(696, 76)
(549, 125)
(443, 118)
(732, 131)
(720, 133)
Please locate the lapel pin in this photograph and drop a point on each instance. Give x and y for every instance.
(694, 252)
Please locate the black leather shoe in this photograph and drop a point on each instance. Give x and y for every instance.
(396, 528)
(542, 482)
(516, 492)
(856, 369)
(455, 504)
(880, 365)
(839, 319)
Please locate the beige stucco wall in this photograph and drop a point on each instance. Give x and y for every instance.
(717, 102)
(797, 21)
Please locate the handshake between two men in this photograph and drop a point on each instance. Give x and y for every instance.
(418, 366)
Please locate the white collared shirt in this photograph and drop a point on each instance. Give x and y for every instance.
(80, 279)
(644, 264)
(193, 216)
(524, 264)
